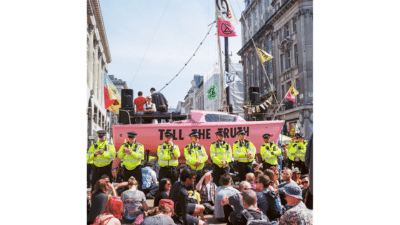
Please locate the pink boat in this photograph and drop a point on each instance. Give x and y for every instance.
(204, 122)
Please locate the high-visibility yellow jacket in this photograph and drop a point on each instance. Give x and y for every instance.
(220, 153)
(164, 153)
(132, 160)
(301, 151)
(241, 149)
(194, 154)
(269, 153)
(103, 159)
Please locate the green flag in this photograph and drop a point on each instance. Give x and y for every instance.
(212, 92)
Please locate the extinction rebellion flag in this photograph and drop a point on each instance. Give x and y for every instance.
(112, 99)
(226, 29)
(263, 55)
(225, 11)
(292, 93)
(212, 92)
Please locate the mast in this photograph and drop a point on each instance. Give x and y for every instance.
(222, 97)
(227, 70)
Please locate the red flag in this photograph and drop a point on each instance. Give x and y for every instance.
(289, 96)
(226, 29)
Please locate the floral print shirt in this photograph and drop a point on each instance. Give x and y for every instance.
(299, 215)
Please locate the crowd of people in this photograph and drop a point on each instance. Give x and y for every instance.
(241, 186)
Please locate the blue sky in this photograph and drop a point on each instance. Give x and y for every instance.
(130, 26)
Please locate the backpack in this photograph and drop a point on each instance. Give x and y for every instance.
(251, 221)
(274, 210)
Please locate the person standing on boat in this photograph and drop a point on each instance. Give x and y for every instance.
(195, 155)
(131, 153)
(269, 153)
(221, 156)
(168, 155)
(244, 153)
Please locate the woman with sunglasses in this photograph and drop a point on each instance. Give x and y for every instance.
(163, 191)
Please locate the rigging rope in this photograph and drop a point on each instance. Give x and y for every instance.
(189, 58)
(149, 44)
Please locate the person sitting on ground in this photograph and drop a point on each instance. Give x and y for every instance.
(271, 176)
(139, 102)
(194, 197)
(305, 182)
(161, 215)
(268, 201)
(250, 210)
(149, 178)
(207, 191)
(184, 211)
(296, 176)
(276, 179)
(298, 213)
(98, 200)
(258, 173)
(235, 201)
(224, 191)
(287, 177)
(134, 203)
(251, 178)
(112, 212)
(116, 177)
(256, 166)
(110, 188)
(163, 191)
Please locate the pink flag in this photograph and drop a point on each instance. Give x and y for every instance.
(290, 97)
(226, 29)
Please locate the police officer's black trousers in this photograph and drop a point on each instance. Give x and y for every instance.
(218, 172)
(136, 173)
(298, 164)
(89, 176)
(170, 172)
(99, 171)
(244, 168)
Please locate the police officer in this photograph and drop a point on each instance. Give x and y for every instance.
(102, 154)
(89, 170)
(244, 153)
(221, 156)
(168, 155)
(301, 153)
(131, 153)
(291, 151)
(195, 155)
(269, 153)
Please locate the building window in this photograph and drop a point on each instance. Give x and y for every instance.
(287, 59)
(296, 55)
(281, 63)
(283, 91)
(279, 36)
(294, 24)
(287, 31)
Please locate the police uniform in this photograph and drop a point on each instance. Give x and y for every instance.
(301, 153)
(269, 153)
(220, 152)
(89, 170)
(168, 165)
(132, 162)
(102, 163)
(244, 163)
(297, 150)
(194, 153)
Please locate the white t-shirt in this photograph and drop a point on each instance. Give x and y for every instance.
(209, 191)
(151, 106)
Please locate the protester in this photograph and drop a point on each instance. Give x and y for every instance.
(149, 178)
(139, 103)
(110, 187)
(111, 214)
(207, 190)
(298, 213)
(268, 201)
(134, 203)
(226, 190)
(251, 179)
(159, 100)
(161, 215)
(305, 185)
(98, 200)
(287, 177)
(309, 165)
(163, 191)
(256, 166)
(185, 212)
(250, 210)
(116, 176)
(258, 173)
(296, 176)
(271, 175)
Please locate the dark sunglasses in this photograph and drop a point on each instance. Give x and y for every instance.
(304, 182)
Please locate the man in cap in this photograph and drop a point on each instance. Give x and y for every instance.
(168, 155)
(102, 154)
(221, 156)
(269, 152)
(298, 213)
(131, 153)
(195, 155)
(244, 153)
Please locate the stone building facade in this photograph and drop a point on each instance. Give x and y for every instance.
(119, 84)
(284, 29)
(191, 101)
(98, 56)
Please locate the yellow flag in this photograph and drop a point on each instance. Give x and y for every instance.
(264, 56)
(293, 91)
